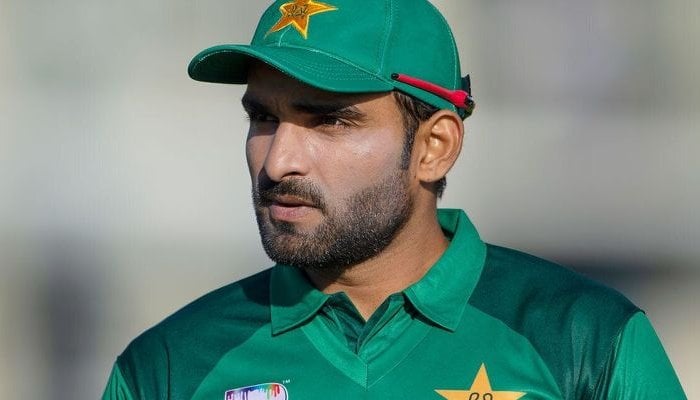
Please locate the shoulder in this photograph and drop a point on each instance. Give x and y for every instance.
(242, 302)
(572, 321)
(192, 339)
(544, 288)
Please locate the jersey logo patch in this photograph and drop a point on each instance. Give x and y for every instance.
(480, 390)
(297, 14)
(263, 391)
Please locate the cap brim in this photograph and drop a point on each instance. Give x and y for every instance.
(229, 64)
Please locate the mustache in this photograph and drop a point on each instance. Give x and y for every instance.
(268, 191)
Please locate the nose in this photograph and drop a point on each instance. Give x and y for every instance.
(287, 154)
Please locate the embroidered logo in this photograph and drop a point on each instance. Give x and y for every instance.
(480, 390)
(263, 391)
(297, 13)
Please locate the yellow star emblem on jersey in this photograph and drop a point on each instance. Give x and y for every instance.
(297, 13)
(480, 390)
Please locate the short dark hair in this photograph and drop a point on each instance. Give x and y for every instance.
(414, 111)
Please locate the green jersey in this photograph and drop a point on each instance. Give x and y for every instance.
(484, 323)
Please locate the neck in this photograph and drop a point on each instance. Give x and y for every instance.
(407, 258)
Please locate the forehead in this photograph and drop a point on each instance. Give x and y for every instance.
(270, 86)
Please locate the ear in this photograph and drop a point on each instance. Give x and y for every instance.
(439, 144)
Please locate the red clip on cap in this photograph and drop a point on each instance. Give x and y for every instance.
(460, 98)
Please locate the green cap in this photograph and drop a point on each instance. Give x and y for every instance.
(350, 46)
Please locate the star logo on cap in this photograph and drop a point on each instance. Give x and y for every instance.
(480, 390)
(297, 13)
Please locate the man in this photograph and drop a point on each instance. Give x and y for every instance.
(356, 112)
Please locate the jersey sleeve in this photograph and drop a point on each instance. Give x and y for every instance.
(117, 388)
(641, 369)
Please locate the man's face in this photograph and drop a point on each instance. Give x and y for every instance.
(328, 187)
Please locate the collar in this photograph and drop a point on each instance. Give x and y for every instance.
(293, 299)
(440, 296)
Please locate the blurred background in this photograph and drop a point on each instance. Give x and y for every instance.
(124, 193)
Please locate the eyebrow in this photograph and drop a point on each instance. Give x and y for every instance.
(343, 110)
(337, 109)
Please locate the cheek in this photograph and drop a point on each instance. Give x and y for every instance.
(255, 151)
(368, 158)
(380, 152)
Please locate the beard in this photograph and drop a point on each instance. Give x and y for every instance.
(353, 230)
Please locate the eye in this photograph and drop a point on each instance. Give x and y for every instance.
(259, 117)
(332, 121)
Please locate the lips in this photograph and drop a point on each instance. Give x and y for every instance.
(291, 201)
(290, 208)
